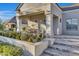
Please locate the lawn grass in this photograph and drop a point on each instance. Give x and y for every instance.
(10, 50)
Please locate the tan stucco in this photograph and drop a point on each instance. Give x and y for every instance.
(8, 26)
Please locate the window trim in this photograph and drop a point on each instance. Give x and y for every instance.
(71, 23)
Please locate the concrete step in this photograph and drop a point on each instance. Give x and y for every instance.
(71, 49)
(67, 36)
(55, 52)
(68, 39)
(64, 46)
(45, 54)
(67, 42)
(52, 52)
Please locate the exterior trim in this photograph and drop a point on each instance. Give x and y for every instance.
(19, 6)
(59, 6)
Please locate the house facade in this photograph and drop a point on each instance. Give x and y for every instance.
(52, 19)
(12, 24)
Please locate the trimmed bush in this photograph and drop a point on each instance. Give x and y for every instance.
(28, 36)
(10, 50)
(18, 36)
(1, 32)
(25, 36)
(13, 34)
(32, 37)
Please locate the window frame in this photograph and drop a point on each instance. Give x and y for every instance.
(72, 29)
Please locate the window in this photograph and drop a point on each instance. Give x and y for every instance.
(72, 24)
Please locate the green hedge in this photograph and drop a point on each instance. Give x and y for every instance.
(30, 37)
(10, 50)
(11, 34)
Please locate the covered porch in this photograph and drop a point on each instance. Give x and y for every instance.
(42, 19)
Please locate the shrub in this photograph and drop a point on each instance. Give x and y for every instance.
(28, 36)
(38, 37)
(1, 32)
(24, 37)
(13, 34)
(24, 28)
(6, 34)
(10, 50)
(32, 37)
(18, 36)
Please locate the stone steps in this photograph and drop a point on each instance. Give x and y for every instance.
(45, 54)
(71, 49)
(56, 52)
(63, 46)
(68, 39)
(67, 42)
(67, 36)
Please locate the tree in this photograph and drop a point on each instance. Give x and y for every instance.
(1, 25)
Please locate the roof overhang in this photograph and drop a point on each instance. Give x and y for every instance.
(70, 7)
(19, 6)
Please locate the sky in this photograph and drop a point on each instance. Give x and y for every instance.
(7, 10)
(65, 4)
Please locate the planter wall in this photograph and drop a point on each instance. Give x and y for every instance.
(34, 49)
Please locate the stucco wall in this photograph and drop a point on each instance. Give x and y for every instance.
(70, 14)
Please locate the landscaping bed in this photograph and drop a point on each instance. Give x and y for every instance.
(28, 36)
(10, 50)
(33, 42)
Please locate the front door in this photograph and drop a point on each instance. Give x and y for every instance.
(55, 24)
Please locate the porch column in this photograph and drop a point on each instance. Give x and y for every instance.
(49, 23)
(18, 21)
